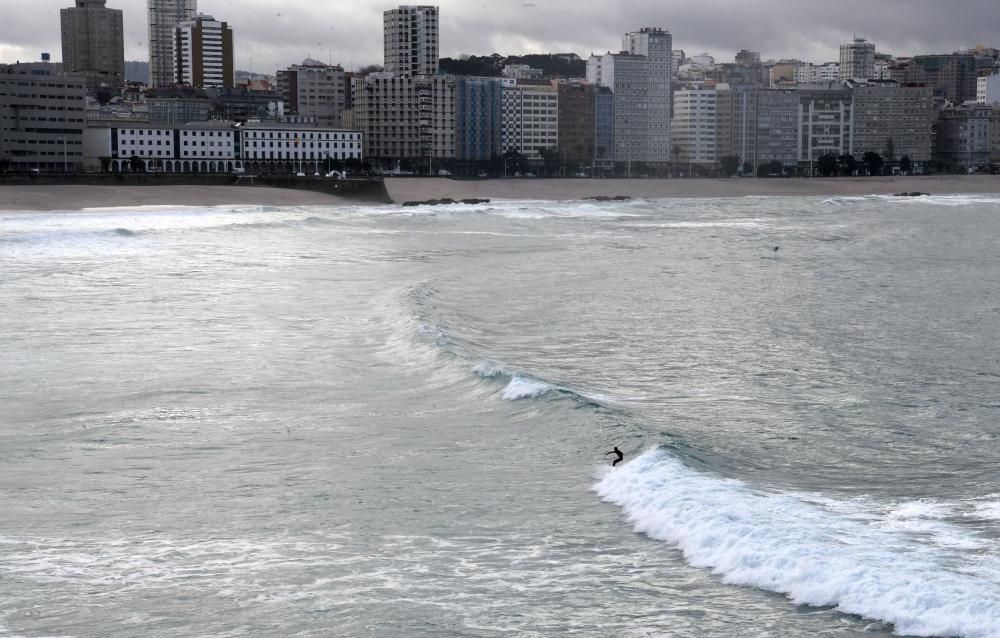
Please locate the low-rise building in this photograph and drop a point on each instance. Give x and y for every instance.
(218, 147)
(178, 105)
(315, 89)
(42, 117)
(988, 89)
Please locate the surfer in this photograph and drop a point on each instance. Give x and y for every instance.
(617, 453)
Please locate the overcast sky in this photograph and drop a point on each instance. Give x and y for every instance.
(272, 34)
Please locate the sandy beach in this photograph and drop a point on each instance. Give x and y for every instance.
(75, 197)
(52, 198)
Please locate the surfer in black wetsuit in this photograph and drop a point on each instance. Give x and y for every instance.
(617, 453)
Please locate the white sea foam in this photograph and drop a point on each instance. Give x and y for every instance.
(817, 555)
(524, 388)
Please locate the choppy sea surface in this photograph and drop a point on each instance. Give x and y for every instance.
(387, 422)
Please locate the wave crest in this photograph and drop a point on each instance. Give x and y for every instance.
(816, 555)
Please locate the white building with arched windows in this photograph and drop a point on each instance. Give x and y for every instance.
(218, 147)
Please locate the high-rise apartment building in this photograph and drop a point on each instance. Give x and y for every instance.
(963, 137)
(604, 129)
(656, 45)
(93, 43)
(410, 118)
(577, 104)
(778, 127)
(857, 60)
(530, 117)
(888, 116)
(826, 124)
(164, 16)
(640, 79)
(411, 41)
(953, 77)
(478, 120)
(203, 50)
(315, 90)
(736, 122)
(694, 126)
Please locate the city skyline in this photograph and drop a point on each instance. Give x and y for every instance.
(270, 35)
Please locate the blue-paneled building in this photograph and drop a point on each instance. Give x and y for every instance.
(478, 124)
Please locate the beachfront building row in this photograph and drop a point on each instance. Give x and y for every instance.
(795, 128)
(218, 147)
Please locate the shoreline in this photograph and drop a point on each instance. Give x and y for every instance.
(33, 198)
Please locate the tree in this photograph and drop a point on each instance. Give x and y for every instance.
(873, 162)
(827, 165)
(136, 165)
(890, 151)
(848, 165)
(550, 160)
(730, 165)
(747, 168)
(5, 163)
(905, 164)
(773, 168)
(516, 162)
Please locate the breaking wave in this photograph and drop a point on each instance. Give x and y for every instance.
(818, 552)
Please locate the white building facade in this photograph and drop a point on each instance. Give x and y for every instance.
(529, 117)
(694, 126)
(988, 89)
(217, 147)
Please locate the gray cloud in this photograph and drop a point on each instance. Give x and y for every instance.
(275, 33)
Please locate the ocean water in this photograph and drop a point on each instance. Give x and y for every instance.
(386, 422)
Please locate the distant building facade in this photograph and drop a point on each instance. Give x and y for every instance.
(825, 121)
(179, 105)
(530, 117)
(604, 130)
(777, 127)
(42, 117)
(902, 114)
(478, 118)
(963, 137)
(411, 35)
(315, 89)
(640, 80)
(953, 77)
(857, 60)
(164, 16)
(577, 123)
(203, 50)
(736, 122)
(218, 147)
(988, 89)
(410, 118)
(694, 126)
(93, 43)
